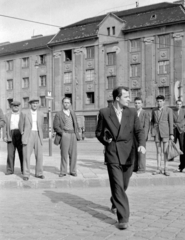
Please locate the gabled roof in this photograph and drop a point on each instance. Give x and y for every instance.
(114, 16)
(30, 44)
(134, 18)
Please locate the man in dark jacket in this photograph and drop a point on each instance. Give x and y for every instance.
(117, 126)
(2, 121)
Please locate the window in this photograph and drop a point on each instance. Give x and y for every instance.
(68, 77)
(9, 84)
(10, 100)
(90, 52)
(163, 67)
(165, 92)
(90, 75)
(25, 102)
(164, 41)
(68, 55)
(111, 82)
(42, 81)
(135, 93)
(135, 70)
(42, 59)
(135, 45)
(25, 83)
(90, 98)
(25, 62)
(9, 65)
(43, 101)
(69, 95)
(111, 58)
(108, 31)
(113, 31)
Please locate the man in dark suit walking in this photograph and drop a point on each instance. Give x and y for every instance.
(122, 125)
(144, 117)
(179, 129)
(67, 133)
(12, 134)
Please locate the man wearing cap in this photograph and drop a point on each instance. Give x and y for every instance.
(32, 138)
(12, 133)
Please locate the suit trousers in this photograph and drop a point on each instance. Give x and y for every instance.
(180, 137)
(33, 143)
(140, 162)
(11, 148)
(119, 176)
(68, 146)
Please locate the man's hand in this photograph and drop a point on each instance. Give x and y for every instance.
(171, 137)
(107, 140)
(142, 149)
(5, 139)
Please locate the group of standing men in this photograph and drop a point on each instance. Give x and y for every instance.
(124, 132)
(24, 132)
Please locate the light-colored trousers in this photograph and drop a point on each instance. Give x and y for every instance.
(33, 143)
(68, 146)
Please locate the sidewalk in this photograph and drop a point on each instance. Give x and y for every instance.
(91, 170)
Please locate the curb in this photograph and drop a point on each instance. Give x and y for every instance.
(93, 182)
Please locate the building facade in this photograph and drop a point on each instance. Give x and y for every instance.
(142, 48)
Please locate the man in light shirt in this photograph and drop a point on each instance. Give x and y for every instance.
(144, 117)
(12, 133)
(32, 138)
(67, 134)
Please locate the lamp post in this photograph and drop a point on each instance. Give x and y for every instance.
(50, 122)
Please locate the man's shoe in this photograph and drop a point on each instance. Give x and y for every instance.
(8, 173)
(178, 170)
(166, 173)
(41, 176)
(25, 178)
(113, 210)
(122, 226)
(62, 175)
(73, 174)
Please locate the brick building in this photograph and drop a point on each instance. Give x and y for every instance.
(143, 48)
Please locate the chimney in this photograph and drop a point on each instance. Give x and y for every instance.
(182, 2)
(4, 43)
(137, 4)
(37, 36)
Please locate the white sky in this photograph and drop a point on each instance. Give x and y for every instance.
(56, 12)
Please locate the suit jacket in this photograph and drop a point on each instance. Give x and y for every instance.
(59, 123)
(6, 129)
(179, 120)
(2, 120)
(27, 126)
(120, 150)
(144, 118)
(164, 123)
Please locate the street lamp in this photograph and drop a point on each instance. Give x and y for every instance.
(50, 122)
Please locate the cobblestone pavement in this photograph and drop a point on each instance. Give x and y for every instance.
(157, 213)
(90, 167)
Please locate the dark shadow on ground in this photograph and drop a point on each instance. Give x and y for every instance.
(81, 204)
(92, 164)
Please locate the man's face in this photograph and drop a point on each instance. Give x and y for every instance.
(15, 108)
(160, 103)
(179, 105)
(124, 99)
(138, 104)
(66, 104)
(34, 105)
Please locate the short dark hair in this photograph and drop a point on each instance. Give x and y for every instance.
(138, 99)
(117, 92)
(160, 97)
(178, 101)
(66, 98)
